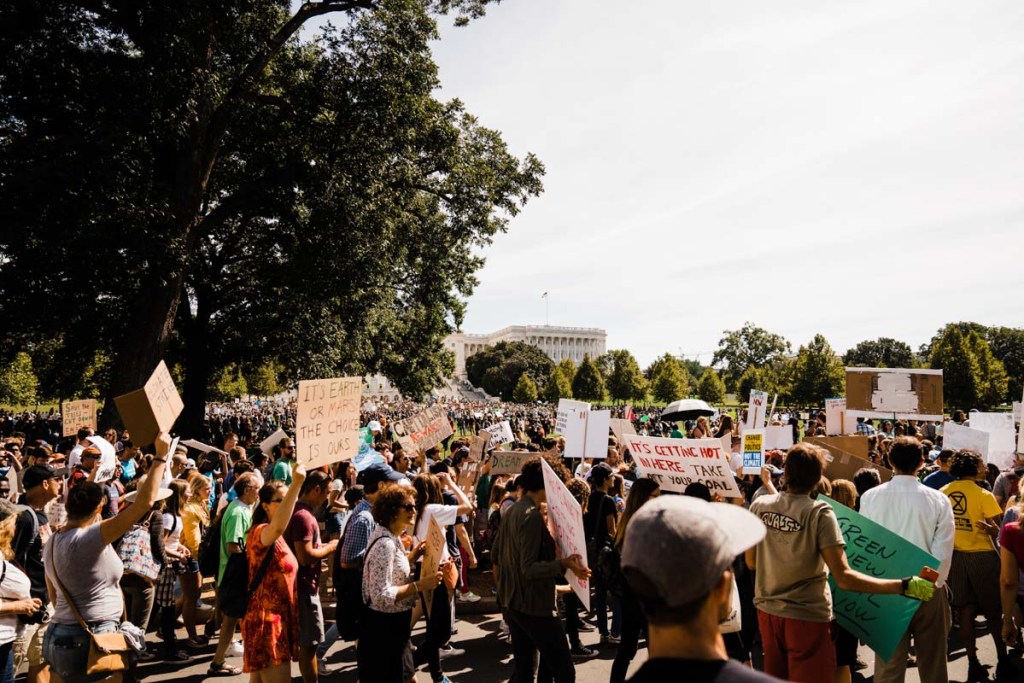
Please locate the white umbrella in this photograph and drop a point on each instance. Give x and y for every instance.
(686, 409)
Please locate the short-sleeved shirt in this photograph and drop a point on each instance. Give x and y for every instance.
(971, 504)
(91, 573)
(234, 526)
(28, 549)
(172, 529)
(446, 516)
(791, 577)
(602, 505)
(301, 528)
(283, 471)
(936, 480)
(1006, 486)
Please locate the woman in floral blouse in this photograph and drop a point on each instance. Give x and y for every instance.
(388, 588)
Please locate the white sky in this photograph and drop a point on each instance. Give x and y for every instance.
(710, 163)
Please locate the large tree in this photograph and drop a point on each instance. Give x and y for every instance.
(671, 381)
(710, 387)
(588, 384)
(498, 368)
(748, 346)
(817, 373)
(883, 352)
(624, 379)
(974, 374)
(205, 183)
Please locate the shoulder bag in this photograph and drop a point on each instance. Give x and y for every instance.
(136, 552)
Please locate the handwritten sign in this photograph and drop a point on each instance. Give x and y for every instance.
(575, 431)
(565, 520)
(957, 437)
(753, 451)
(835, 410)
(153, 408)
(468, 476)
(479, 446)
(878, 620)
(108, 459)
(677, 463)
(756, 410)
(75, 415)
(423, 430)
(498, 434)
(432, 555)
(509, 462)
(327, 420)
(566, 408)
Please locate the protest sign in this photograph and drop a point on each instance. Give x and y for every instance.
(857, 445)
(753, 451)
(596, 441)
(899, 393)
(734, 622)
(835, 411)
(620, 427)
(956, 437)
(1016, 411)
(432, 554)
(574, 427)
(778, 437)
(202, 447)
(565, 520)
(756, 410)
(108, 459)
(566, 407)
(676, 463)
(479, 446)
(267, 445)
(152, 409)
(75, 415)
(468, 475)
(878, 620)
(1002, 437)
(327, 420)
(509, 462)
(844, 465)
(423, 430)
(498, 434)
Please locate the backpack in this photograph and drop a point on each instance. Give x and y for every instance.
(235, 589)
(348, 585)
(209, 549)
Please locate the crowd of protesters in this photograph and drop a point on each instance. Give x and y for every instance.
(276, 542)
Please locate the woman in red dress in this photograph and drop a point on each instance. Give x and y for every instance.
(271, 625)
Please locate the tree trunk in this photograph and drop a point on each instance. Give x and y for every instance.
(198, 366)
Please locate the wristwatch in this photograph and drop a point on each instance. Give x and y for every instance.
(905, 585)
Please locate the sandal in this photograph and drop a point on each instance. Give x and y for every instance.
(197, 642)
(223, 669)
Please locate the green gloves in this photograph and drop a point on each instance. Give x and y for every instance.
(918, 588)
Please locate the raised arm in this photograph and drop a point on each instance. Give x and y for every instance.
(283, 514)
(120, 524)
(465, 505)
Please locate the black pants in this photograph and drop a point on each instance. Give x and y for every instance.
(600, 602)
(571, 605)
(383, 641)
(633, 623)
(531, 634)
(439, 630)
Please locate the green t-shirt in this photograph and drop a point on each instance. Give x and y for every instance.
(233, 528)
(283, 471)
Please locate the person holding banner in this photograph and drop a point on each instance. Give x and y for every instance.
(791, 589)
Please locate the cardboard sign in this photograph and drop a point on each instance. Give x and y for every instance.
(878, 620)
(75, 415)
(267, 445)
(756, 410)
(498, 434)
(467, 476)
(479, 447)
(596, 442)
(753, 451)
(778, 437)
(835, 410)
(202, 447)
(899, 393)
(565, 520)
(620, 427)
(108, 459)
(152, 409)
(957, 437)
(857, 445)
(509, 462)
(1002, 436)
(843, 465)
(676, 463)
(327, 420)
(432, 554)
(423, 430)
(566, 407)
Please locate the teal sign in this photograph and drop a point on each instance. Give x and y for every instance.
(365, 435)
(878, 620)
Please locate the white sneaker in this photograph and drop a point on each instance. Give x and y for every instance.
(234, 649)
(468, 596)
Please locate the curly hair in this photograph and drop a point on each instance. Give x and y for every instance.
(389, 502)
(965, 464)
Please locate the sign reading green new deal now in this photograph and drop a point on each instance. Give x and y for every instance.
(878, 620)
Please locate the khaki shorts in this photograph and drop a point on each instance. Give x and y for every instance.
(28, 646)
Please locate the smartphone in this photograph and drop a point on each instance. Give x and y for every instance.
(929, 573)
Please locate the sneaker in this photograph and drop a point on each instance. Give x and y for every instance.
(322, 668)
(610, 640)
(450, 651)
(584, 627)
(234, 649)
(468, 596)
(976, 671)
(581, 652)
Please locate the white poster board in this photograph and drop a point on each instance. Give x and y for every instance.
(575, 432)
(778, 437)
(267, 445)
(1002, 436)
(956, 437)
(566, 407)
(498, 434)
(565, 520)
(835, 410)
(598, 424)
(757, 409)
(677, 463)
(108, 459)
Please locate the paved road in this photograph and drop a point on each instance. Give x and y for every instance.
(488, 658)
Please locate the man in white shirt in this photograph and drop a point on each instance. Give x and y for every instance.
(82, 441)
(924, 517)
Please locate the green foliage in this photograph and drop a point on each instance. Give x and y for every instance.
(588, 385)
(710, 387)
(498, 368)
(671, 380)
(265, 379)
(992, 379)
(883, 352)
(557, 386)
(749, 345)
(526, 390)
(18, 383)
(752, 378)
(229, 384)
(1007, 344)
(625, 381)
(568, 368)
(817, 373)
(960, 371)
(693, 367)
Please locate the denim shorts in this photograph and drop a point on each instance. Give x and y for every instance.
(66, 649)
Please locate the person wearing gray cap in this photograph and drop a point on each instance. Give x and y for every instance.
(685, 603)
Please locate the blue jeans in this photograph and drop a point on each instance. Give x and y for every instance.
(66, 649)
(7, 662)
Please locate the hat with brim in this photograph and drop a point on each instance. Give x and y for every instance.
(161, 494)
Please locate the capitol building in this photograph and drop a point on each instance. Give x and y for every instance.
(558, 343)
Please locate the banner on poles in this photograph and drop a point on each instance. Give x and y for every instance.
(677, 463)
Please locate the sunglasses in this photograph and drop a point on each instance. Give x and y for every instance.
(409, 507)
(277, 500)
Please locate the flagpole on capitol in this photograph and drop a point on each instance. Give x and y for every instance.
(547, 309)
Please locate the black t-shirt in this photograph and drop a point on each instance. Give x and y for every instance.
(697, 671)
(28, 550)
(602, 505)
